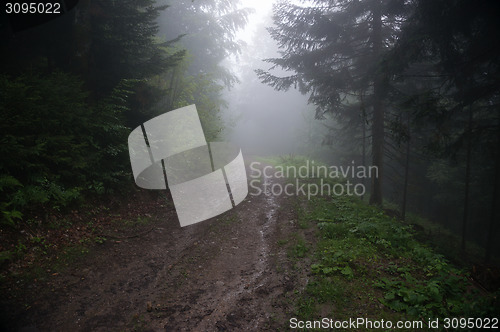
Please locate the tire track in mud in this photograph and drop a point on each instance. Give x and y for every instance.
(242, 278)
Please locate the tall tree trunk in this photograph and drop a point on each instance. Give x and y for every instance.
(378, 109)
(174, 82)
(465, 216)
(494, 202)
(363, 119)
(407, 168)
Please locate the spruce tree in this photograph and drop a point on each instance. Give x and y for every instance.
(336, 49)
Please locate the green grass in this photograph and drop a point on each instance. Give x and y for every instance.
(366, 264)
(229, 218)
(139, 221)
(299, 250)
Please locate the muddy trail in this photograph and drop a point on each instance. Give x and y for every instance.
(225, 274)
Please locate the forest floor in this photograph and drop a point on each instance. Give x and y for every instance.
(144, 272)
(127, 265)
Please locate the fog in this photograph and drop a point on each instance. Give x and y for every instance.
(385, 174)
(258, 118)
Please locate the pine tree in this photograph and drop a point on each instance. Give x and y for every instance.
(458, 39)
(120, 42)
(208, 30)
(336, 50)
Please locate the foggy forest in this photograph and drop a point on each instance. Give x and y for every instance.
(249, 165)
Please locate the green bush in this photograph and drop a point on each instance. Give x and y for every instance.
(55, 146)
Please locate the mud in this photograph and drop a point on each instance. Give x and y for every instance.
(225, 274)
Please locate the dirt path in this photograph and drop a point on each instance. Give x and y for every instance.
(224, 274)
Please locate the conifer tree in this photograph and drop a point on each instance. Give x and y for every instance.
(335, 49)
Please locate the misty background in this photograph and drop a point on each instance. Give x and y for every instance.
(260, 119)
